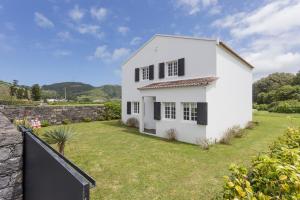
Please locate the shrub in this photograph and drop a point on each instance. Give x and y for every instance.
(272, 175)
(171, 134)
(87, 119)
(291, 106)
(66, 121)
(251, 125)
(261, 106)
(234, 132)
(59, 136)
(45, 123)
(100, 118)
(112, 110)
(204, 143)
(132, 122)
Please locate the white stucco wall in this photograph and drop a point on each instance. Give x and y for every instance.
(230, 98)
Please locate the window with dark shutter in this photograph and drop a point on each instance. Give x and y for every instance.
(151, 72)
(137, 74)
(157, 110)
(161, 70)
(181, 67)
(128, 108)
(202, 113)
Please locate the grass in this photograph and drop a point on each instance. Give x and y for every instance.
(128, 165)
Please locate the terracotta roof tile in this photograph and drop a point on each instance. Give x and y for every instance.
(181, 83)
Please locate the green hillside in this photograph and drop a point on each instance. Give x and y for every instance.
(4, 90)
(84, 92)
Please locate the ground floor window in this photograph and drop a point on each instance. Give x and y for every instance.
(190, 111)
(170, 110)
(136, 107)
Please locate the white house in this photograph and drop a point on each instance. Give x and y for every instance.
(199, 87)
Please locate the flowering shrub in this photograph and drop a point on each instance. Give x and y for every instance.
(273, 175)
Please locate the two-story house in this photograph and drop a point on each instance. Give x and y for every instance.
(199, 87)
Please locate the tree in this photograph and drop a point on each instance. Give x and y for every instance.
(36, 92)
(26, 94)
(20, 93)
(60, 137)
(271, 82)
(297, 79)
(13, 88)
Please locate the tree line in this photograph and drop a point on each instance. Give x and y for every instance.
(277, 89)
(22, 92)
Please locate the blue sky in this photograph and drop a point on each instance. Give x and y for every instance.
(70, 40)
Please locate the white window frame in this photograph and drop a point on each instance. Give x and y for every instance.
(135, 107)
(145, 73)
(189, 111)
(169, 110)
(172, 68)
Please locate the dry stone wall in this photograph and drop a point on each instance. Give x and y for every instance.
(11, 151)
(54, 114)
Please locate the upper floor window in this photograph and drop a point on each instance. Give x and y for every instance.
(145, 73)
(172, 68)
(170, 110)
(136, 107)
(190, 111)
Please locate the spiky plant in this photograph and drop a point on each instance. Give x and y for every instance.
(59, 136)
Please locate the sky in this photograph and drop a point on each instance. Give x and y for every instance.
(52, 41)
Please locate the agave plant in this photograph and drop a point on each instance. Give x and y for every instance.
(59, 136)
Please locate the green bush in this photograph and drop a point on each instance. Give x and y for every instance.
(45, 123)
(261, 106)
(272, 175)
(87, 119)
(291, 106)
(66, 121)
(112, 110)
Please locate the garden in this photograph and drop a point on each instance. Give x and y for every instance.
(128, 165)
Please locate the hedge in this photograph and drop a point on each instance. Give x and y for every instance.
(272, 175)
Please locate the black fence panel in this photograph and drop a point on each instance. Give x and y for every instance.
(50, 176)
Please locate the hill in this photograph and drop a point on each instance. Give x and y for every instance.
(84, 92)
(4, 90)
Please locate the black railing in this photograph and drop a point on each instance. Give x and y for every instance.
(50, 176)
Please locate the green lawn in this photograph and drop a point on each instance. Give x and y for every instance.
(128, 165)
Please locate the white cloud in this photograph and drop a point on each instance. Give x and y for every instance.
(269, 35)
(135, 41)
(103, 53)
(42, 21)
(194, 6)
(62, 53)
(120, 53)
(98, 13)
(123, 30)
(76, 13)
(64, 35)
(90, 29)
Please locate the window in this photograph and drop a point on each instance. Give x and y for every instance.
(136, 107)
(172, 68)
(145, 73)
(170, 110)
(190, 111)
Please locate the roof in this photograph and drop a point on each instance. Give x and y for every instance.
(217, 41)
(204, 81)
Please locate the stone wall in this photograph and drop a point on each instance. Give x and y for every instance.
(11, 150)
(54, 114)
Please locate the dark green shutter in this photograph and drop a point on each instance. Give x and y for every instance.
(157, 110)
(151, 72)
(128, 108)
(161, 70)
(181, 67)
(137, 74)
(202, 113)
